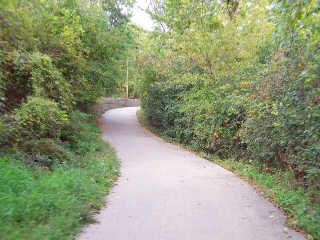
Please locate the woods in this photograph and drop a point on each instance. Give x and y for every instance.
(233, 79)
(240, 79)
(57, 58)
(60, 49)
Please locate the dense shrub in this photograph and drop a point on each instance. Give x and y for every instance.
(45, 152)
(68, 51)
(259, 97)
(55, 57)
(215, 115)
(76, 132)
(48, 82)
(7, 131)
(162, 106)
(3, 132)
(280, 132)
(39, 118)
(37, 203)
(15, 74)
(34, 74)
(208, 119)
(260, 103)
(283, 126)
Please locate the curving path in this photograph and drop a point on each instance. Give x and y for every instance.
(167, 193)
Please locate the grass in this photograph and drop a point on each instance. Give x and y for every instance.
(279, 187)
(38, 203)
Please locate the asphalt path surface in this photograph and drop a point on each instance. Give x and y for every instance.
(167, 193)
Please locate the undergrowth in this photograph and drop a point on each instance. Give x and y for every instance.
(278, 186)
(38, 202)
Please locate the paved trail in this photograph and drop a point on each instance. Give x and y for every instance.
(167, 193)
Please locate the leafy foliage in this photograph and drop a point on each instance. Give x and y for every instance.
(56, 57)
(45, 152)
(69, 49)
(241, 79)
(253, 90)
(211, 125)
(48, 82)
(36, 202)
(39, 118)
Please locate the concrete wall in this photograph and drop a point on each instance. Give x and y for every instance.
(111, 103)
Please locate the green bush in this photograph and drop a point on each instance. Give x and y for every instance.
(45, 152)
(48, 82)
(16, 84)
(186, 110)
(34, 74)
(7, 131)
(76, 132)
(3, 132)
(161, 106)
(263, 137)
(283, 126)
(56, 49)
(40, 204)
(216, 117)
(39, 118)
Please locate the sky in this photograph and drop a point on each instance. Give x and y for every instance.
(140, 17)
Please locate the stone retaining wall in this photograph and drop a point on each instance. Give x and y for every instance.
(111, 103)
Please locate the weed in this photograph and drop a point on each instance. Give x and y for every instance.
(38, 203)
(280, 187)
